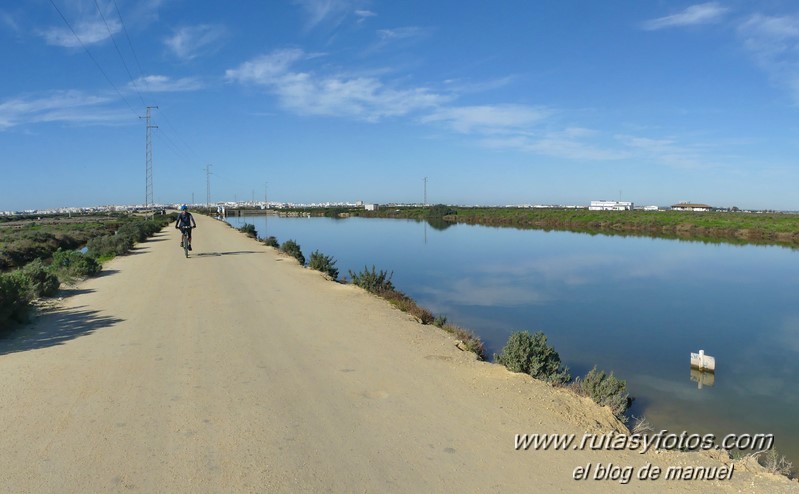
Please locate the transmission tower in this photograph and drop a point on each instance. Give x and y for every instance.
(148, 200)
(425, 191)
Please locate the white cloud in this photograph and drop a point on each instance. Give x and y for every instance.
(703, 13)
(401, 33)
(331, 12)
(666, 152)
(63, 106)
(488, 119)
(266, 69)
(574, 143)
(163, 84)
(402, 36)
(773, 44)
(190, 42)
(363, 15)
(89, 32)
(306, 93)
(10, 22)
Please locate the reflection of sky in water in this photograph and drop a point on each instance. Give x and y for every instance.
(637, 306)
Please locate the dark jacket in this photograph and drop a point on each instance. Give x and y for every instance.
(185, 219)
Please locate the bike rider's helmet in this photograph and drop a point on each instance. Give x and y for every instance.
(184, 207)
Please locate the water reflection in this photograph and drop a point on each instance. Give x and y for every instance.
(703, 378)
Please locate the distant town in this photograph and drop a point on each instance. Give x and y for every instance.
(600, 205)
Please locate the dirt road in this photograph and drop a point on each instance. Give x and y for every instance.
(236, 370)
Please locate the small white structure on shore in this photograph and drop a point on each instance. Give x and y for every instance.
(703, 362)
(371, 207)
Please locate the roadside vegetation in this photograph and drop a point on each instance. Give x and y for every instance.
(379, 283)
(293, 249)
(249, 230)
(324, 264)
(38, 255)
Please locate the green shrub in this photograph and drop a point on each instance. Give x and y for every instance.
(292, 248)
(323, 263)
(530, 354)
(271, 242)
(110, 245)
(606, 390)
(373, 281)
(36, 280)
(70, 264)
(440, 321)
(249, 230)
(14, 301)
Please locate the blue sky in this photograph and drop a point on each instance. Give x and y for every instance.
(341, 100)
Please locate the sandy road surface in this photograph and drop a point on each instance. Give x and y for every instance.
(238, 371)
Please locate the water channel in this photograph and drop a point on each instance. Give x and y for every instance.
(637, 306)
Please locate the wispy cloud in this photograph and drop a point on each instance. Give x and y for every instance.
(307, 93)
(523, 128)
(363, 14)
(331, 12)
(190, 42)
(402, 36)
(165, 84)
(10, 22)
(703, 13)
(666, 151)
(573, 143)
(488, 119)
(87, 31)
(773, 44)
(59, 106)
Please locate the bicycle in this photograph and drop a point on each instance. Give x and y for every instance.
(184, 242)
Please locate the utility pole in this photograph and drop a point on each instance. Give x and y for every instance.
(148, 158)
(425, 191)
(208, 185)
(266, 202)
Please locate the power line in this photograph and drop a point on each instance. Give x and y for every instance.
(177, 150)
(177, 135)
(99, 67)
(130, 76)
(130, 44)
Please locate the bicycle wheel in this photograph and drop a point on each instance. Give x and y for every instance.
(186, 245)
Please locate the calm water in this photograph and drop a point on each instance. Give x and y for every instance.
(637, 306)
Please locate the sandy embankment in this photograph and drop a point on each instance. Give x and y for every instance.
(238, 371)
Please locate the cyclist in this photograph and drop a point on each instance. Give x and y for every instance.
(185, 222)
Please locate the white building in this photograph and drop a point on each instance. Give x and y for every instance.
(610, 206)
(690, 206)
(371, 207)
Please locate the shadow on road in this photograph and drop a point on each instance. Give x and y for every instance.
(55, 328)
(106, 272)
(217, 254)
(70, 292)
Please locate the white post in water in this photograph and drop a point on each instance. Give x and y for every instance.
(703, 362)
